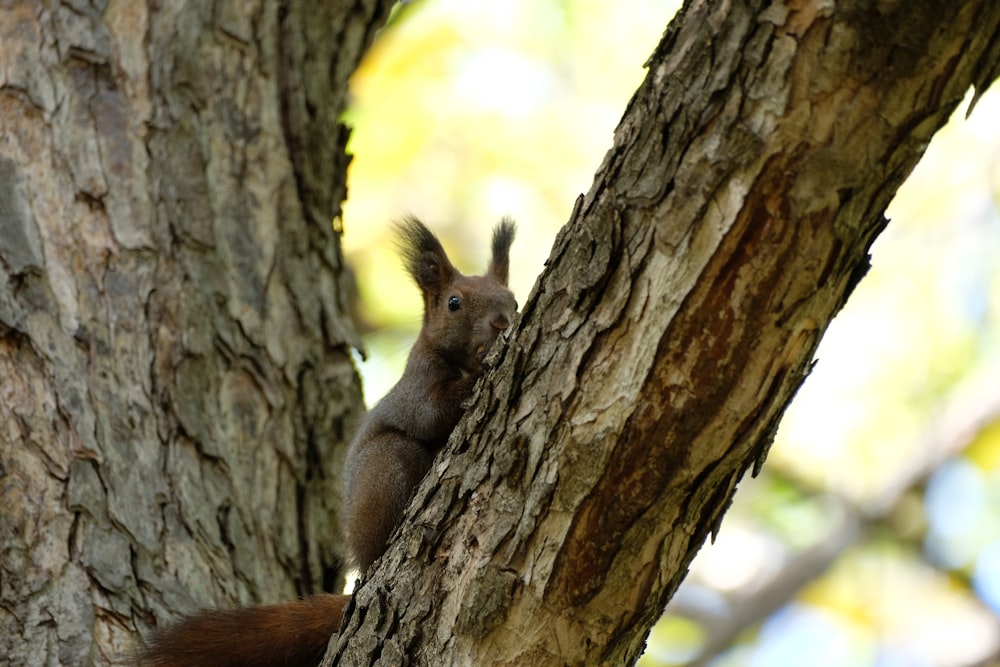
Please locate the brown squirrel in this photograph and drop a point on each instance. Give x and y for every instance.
(388, 456)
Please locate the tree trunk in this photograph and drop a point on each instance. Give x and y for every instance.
(175, 376)
(678, 314)
(175, 383)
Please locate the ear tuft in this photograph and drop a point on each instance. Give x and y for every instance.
(503, 237)
(423, 255)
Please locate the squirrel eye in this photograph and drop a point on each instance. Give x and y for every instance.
(454, 303)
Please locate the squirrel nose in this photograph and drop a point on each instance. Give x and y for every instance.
(500, 322)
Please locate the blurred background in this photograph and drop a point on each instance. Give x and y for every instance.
(872, 538)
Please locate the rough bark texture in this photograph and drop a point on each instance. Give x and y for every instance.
(679, 312)
(175, 377)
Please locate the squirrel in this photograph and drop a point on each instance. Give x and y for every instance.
(390, 453)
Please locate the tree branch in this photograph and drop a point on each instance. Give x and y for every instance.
(679, 313)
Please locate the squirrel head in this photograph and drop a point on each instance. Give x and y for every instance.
(463, 315)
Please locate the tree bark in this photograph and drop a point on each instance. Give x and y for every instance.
(175, 383)
(678, 314)
(175, 375)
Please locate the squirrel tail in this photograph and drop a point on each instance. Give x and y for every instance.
(293, 634)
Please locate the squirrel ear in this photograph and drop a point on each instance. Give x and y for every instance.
(423, 255)
(503, 236)
(432, 272)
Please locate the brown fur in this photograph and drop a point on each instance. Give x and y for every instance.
(394, 447)
(389, 455)
(295, 633)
